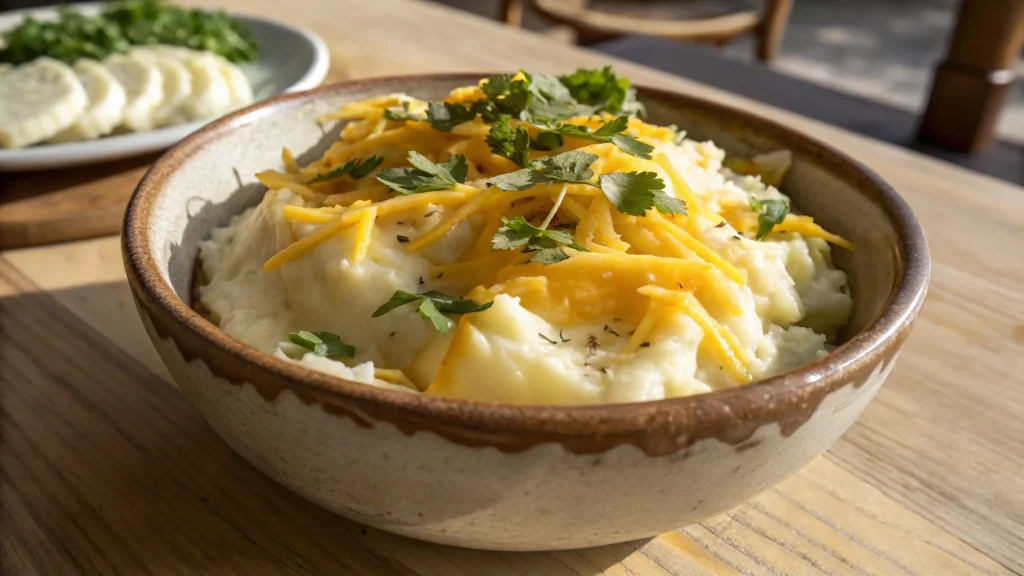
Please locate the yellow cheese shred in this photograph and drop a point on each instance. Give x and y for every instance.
(654, 313)
(683, 191)
(364, 231)
(805, 226)
(445, 226)
(717, 338)
(697, 247)
(290, 165)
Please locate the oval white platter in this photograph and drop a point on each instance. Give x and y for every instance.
(291, 59)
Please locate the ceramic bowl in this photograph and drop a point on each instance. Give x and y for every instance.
(502, 476)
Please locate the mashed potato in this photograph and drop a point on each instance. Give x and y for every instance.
(637, 308)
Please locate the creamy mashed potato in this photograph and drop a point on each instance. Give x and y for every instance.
(637, 308)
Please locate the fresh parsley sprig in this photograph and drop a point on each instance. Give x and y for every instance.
(631, 193)
(604, 91)
(572, 167)
(635, 193)
(432, 306)
(322, 343)
(612, 131)
(354, 168)
(425, 176)
(511, 143)
(769, 213)
(517, 232)
(442, 116)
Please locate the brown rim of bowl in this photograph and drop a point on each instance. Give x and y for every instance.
(731, 415)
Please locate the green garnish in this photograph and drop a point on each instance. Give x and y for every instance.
(432, 306)
(121, 25)
(560, 337)
(516, 233)
(426, 176)
(635, 193)
(549, 340)
(353, 168)
(632, 193)
(611, 131)
(510, 143)
(572, 167)
(442, 116)
(322, 343)
(770, 213)
(604, 91)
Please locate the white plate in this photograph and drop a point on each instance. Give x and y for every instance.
(290, 59)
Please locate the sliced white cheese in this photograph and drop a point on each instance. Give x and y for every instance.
(37, 101)
(106, 103)
(177, 86)
(143, 87)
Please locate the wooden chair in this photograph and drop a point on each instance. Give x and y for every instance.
(591, 25)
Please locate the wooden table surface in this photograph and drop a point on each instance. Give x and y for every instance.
(106, 469)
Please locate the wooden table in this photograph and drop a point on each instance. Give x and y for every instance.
(105, 469)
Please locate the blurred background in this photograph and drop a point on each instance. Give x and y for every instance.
(865, 65)
(934, 76)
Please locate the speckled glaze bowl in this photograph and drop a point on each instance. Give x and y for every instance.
(502, 476)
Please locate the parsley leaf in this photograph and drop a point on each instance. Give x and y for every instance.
(549, 256)
(444, 116)
(425, 176)
(432, 306)
(322, 343)
(516, 232)
(770, 213)
(510, 143)
(634, 193)
(604, 91)
(611, 131)
(572, 167)
(547, 141)
(507, 96)
(353, 168)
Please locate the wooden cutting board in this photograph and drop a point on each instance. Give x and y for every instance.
(48, 206)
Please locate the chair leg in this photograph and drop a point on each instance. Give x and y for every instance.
(772, 28)
(512, 12)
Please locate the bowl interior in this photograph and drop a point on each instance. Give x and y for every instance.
(215, 181)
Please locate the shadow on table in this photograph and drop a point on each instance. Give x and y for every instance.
(106, 464)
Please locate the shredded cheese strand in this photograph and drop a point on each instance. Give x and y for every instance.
(717, 338)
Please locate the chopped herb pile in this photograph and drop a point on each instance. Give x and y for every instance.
(121, 25)
(322, 343)
(432, 306)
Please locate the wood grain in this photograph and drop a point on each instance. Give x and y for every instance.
(108, 470)
(104, 468)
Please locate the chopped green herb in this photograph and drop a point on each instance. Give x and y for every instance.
(510, 143)
(442, 116)
(431, 307)
(550, 341)
(546, 141)
(121, 25)
(634, 193)
(604, 91)
(770, 213)
(322, 343)
(572, 167)
(611, 131)
(516, 232)
(353, 168)
(425, 176)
